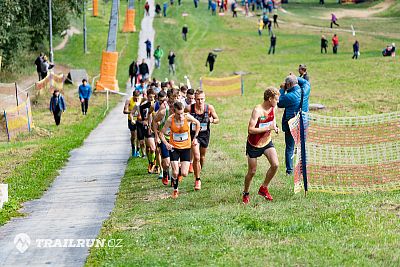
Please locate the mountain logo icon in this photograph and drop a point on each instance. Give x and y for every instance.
(22, 242)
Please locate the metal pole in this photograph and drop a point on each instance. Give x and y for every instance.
(84, 28)
(51, 32)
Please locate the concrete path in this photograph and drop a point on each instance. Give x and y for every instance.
(147, 32)
(59, 228)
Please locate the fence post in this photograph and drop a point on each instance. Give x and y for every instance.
(241, 84)
(27, 111)
(8, 132)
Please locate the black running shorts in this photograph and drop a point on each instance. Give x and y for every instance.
(140, 130)
(256, 152)
(131, 126)
(179, 154)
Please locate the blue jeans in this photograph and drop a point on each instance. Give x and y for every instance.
(289, 151)
(157, 62)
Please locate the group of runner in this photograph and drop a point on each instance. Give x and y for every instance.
(171, 126)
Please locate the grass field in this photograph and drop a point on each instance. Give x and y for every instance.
(211, 227)
(30, 163)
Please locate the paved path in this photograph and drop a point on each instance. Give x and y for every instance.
(79, 200)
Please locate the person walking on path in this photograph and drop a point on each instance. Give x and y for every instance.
(144, 70)
(262, 123)
(333, 20)
(158, 54)
(356, 50)
(185, 31)
(57, 106)
(133, 72)
(147, 8)
(158, 9)
(211, 60)
(324, 43)
(335, 43)
(171, 62)
(275, 17)
(273, 44)
(165, 6)
(148, 48)
(292, 92)
(303, 72)
(85, 91)
(206, 115)
(180, 142)
(38, 63)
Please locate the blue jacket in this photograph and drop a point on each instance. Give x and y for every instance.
(54, 103)
(291, 101)
(85, 91)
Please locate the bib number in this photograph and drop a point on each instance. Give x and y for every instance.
(203, 127)
(180, 137)
(265, 124)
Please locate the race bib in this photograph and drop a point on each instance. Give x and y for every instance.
(203, 127)
(265, 124)
(180, 137)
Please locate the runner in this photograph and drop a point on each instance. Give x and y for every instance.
(179, 142)
(259, 142)
(131, 106)
(161, 97)
(146, 109)
(159, 120)
(205, 114)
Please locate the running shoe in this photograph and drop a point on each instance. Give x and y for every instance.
(175, 193)
(164, 180)
(246, 198)
(133, 153)
(137, 154)
(197, 185)
(263, 191)
(191, 168)
(149, 168)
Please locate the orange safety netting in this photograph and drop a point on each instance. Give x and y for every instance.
(95, 8)
(108, 72)
(222, 86)
(129, 25)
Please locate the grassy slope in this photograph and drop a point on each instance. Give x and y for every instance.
(30, 164)
(212, 227)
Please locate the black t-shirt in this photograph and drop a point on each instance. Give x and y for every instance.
(143, 69)
(185, 30)
(171, 59)
(144, 110)
(273, 40)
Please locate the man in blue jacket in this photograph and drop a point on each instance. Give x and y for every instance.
(57, 106)
(290, 100)
(85, 91)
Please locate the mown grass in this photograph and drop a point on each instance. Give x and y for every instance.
(211, 227)
(30, 163)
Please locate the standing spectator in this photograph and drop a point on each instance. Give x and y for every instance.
(171, 61)
(393, 50)
(144, 70)
(85, 91)
(246, 8)
(211, 60)
(335, 43)
(356, 50)
(265, 20)
(269, 25)
(221, 6)
(45, 66)
(165, 6)
(275, 17)
(321, 2)
(290, 98)
(185, 31)
(213, 8)
(147, 8)
(148, 48)
(171, 2)
(158, 9)
(209, 4)
(233, 8)
(57, 106)
(303, 72)
(196, 3)
(38, 63)
(324, 43)
(133, 72)
(158, 54)
(333, 20)
(273, 44)
(260, 25)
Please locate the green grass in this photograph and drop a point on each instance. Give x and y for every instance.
(211, 227)
(30, 163)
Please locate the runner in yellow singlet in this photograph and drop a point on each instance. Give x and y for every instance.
(132, 110)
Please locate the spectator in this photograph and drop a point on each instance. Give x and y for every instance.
(335, 43)
(38, 63)
(333, 20)
(144, 70)
(45, 66)
(147, 8)
(185, 31)
(85, 91)
(196, 3)
(275, 17)
(393, 54)
(57, 106)
(324, 43)
(356, 50)
(165, 6)
(260, 25)
(158, 9)
(171, 61)
(265, 20)
(211, 60)
(133, 72)
(233, 8)
(292, 91)
(158, 54)
(303, 72)
(273, 44)
(213, 8)
(148, 48)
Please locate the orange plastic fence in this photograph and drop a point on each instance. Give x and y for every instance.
(129, 25)
(95, 8)
(108, 72)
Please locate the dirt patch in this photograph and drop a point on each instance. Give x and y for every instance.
(341, 13)
(156, 195)
(391, 207)
(170, 21)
